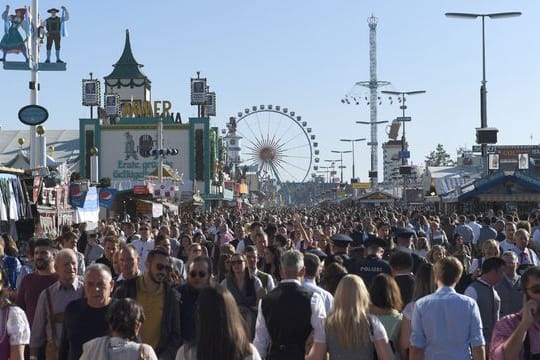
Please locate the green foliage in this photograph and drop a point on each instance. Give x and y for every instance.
(438, 157)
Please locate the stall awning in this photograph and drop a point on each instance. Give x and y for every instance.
(524, 197)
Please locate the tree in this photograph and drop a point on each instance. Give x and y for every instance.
(439, 157)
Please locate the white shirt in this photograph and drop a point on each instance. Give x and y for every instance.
(318, 313)
(476, 230)
(143, 248)
(507, 246)
(328, 299)
(241, 246)
(536, 237)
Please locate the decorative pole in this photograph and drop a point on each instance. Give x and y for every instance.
(33, 59)
(160, 144)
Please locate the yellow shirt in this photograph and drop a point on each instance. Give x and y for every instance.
(152, 303)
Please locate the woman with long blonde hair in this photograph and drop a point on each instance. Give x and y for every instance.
(351, 333)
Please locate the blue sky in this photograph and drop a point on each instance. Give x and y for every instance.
(306, 55)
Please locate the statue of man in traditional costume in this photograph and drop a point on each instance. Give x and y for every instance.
(55, 26)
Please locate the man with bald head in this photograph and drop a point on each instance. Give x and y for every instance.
(49, 316)
(84, 319)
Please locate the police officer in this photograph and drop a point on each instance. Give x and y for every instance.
(404, 243)
(368, 267)
(341, 243)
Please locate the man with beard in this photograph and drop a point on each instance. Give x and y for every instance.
(161, 329)
(84, 319)
(199, 272)
(33, 284)
(49, 316)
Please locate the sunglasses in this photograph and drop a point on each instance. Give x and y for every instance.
(236, 262)
(535, 289)
(143, 228)
(161, 267)
(202, 274)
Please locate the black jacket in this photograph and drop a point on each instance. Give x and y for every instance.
(170, 339)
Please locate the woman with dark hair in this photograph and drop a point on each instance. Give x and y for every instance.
(272, 262)
(221, 331)
(386, 304)
(424, 284)
(125, 318)
(246, 290)
(332, 275)
(461, 251)
(12, 265)
(183, 250)
(223, 267)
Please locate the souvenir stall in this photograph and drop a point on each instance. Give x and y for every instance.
(15, 210)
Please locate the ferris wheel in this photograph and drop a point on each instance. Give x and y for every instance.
(276, 143)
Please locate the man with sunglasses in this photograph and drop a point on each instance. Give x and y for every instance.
(199, 273)
(144, 245)
(161, 329)
(517, 336)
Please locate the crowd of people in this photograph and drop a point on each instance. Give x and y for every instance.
(277, 284)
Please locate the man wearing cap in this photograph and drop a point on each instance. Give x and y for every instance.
(341, 244)
(53, 26)
(373, 264)
(404, 244)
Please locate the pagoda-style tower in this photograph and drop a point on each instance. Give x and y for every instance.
(127, 80)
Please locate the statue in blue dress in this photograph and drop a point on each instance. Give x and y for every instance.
(12, 41)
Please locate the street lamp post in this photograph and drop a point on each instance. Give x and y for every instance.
(331, 166)
(483, 89)
(341, 152)
(352, 141)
